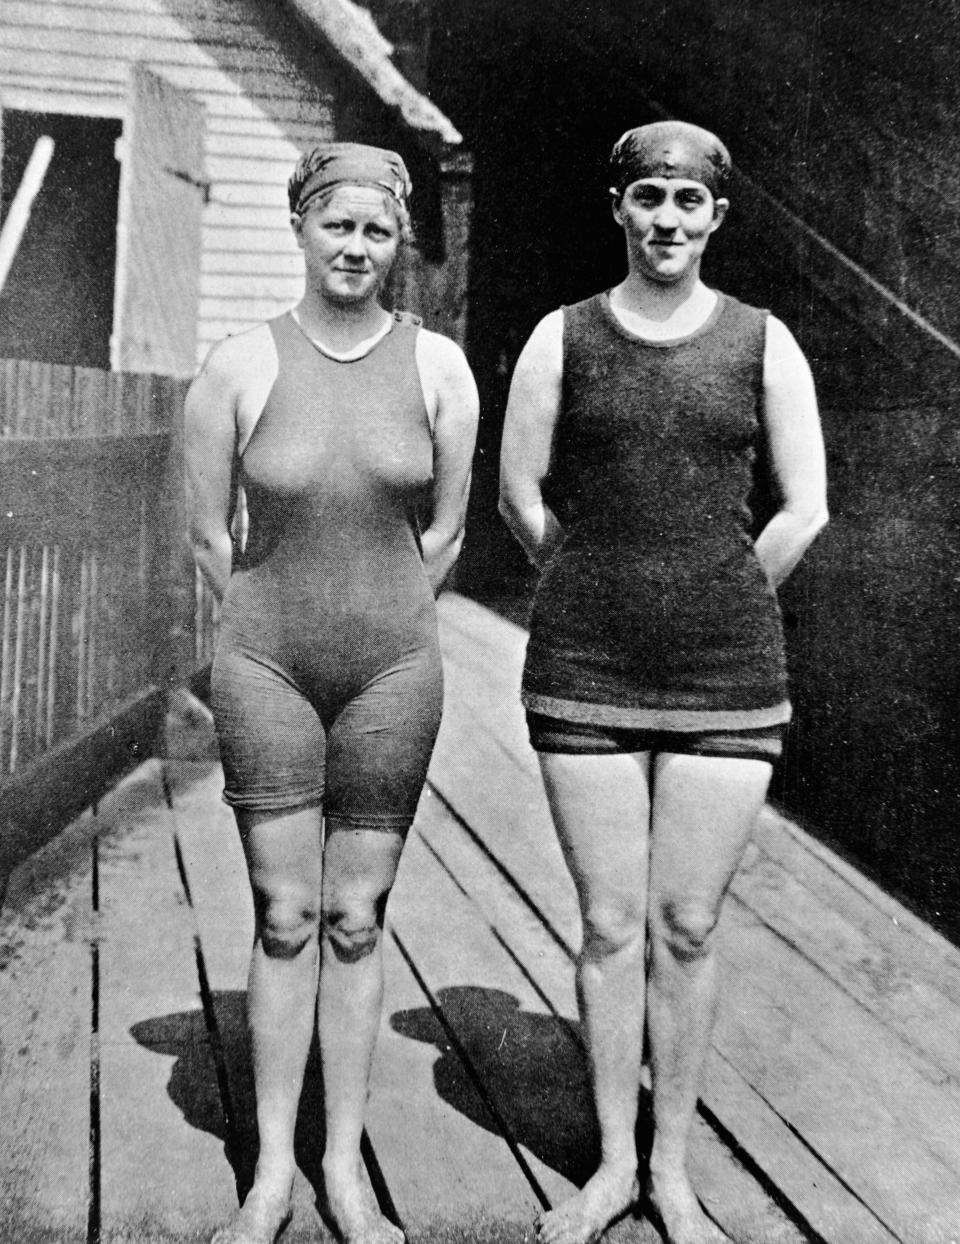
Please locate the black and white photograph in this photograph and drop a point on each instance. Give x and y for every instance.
(479, 693)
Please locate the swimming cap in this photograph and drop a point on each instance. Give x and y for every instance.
(346, 164)
(669, 149)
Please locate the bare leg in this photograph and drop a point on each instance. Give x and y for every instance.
(359, 869)
(600, 807)
(703, 814)
(285, 864)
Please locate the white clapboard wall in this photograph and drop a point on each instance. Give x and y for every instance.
(227, 94)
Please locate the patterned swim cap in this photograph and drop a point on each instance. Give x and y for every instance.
(346, 164)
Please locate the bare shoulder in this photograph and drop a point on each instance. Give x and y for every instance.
(233, 361)
(233, 383)
(440, 356)
(782, 355)
(449, 389)
(542, 355)
(549, 330)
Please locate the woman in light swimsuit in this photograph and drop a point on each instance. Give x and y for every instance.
(350, 431)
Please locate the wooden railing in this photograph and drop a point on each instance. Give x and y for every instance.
(102, 611)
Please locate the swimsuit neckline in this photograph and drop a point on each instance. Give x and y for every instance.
(656, 343)
(357, 354)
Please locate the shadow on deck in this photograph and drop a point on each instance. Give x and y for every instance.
(830, 1109)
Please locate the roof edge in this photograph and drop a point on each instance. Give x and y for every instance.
(352, 33)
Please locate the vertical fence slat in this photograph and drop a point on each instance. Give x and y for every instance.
(6, 672)
(65, 689)
(82, 631)
(18, 642)
(52, 651)
(42, 640)
(95, 622)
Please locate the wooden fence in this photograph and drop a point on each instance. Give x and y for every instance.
(102, 609)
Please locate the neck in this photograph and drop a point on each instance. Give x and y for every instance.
(341, 326)
(656, 301)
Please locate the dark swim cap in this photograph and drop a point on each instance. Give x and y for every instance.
(669, 149)
(347, 164)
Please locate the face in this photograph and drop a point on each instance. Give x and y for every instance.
(349, 241)
(667, 222)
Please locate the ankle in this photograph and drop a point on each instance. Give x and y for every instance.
(342, 1165)
(273, 1181)
(666, 1174)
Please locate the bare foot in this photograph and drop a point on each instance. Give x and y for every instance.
(261, 1219)
(605, 1197)
(352, 1208)
(678, 1214)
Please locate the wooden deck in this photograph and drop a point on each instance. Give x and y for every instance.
(831, 1109)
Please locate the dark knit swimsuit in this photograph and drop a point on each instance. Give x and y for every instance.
(654, 613)
(327, 683)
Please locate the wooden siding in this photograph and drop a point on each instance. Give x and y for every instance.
(68, 56)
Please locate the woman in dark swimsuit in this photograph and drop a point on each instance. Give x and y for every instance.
(655, 677)
(343, 424)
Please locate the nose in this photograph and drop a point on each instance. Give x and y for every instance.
(355, 244)
(666, 216)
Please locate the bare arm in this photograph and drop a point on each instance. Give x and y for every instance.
(210, 444)
(451, 397)
(796, 454)
(532, 411)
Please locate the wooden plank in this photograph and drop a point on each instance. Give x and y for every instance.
(892, 928)
(449, 1173)
(89, 97)
(478, 994)
(846, 1054)
(147, 21)
(878, 977)
(732, 1195)
(213, 861)
(45, 1043)
(108, 74)
(161, 1119)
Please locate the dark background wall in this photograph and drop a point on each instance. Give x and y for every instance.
(841, 118)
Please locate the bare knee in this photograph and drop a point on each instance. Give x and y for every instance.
(286, 923)
(686, 928)
(610, 926)
(352, 928)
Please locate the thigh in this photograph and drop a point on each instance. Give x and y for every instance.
(284, 853)
(379, 747)
(704, 810)
(272, 742)
(601, 811)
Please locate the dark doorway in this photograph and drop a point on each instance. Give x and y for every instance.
(57, 305)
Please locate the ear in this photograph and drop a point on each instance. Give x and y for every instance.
(296, 224)
(616, 198)
(720, 207)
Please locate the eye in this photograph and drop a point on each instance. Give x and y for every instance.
(690, 199)
(646, 196)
